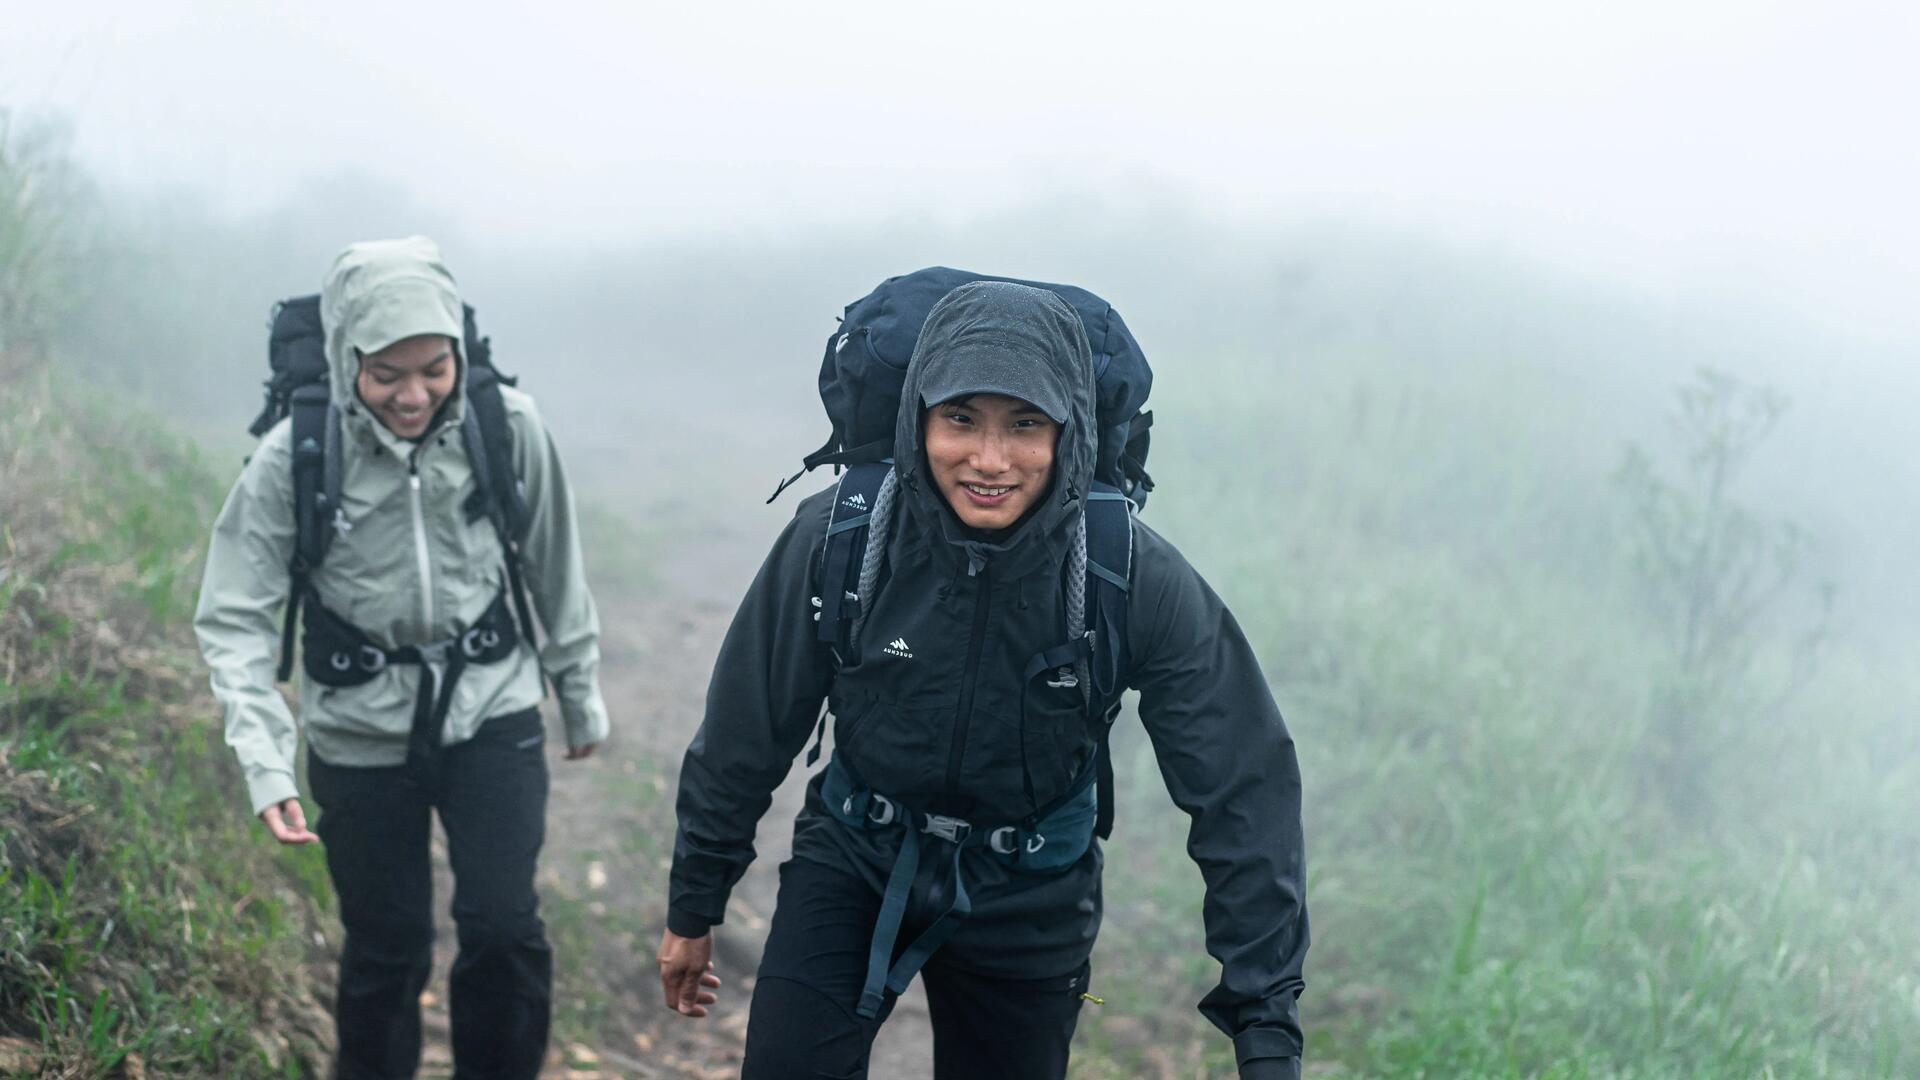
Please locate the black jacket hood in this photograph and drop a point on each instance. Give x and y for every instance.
(1037, 326)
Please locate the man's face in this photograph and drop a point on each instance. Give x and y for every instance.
(990, 456)
(404, 383)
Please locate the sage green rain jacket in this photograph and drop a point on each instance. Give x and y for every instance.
(410, 568)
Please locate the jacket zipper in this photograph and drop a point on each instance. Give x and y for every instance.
(420, 546)
(965, 720)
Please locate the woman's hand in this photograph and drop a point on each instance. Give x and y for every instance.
(686, 973)
(288, 823)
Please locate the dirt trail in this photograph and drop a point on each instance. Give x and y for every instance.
(609, 838)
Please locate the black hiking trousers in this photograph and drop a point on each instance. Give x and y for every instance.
(491, 794)
(802, 1023)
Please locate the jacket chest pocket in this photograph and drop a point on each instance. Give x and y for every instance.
(848, 718)
(1054, 731)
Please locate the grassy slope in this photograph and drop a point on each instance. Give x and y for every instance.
(143, 919)
(1497, 891)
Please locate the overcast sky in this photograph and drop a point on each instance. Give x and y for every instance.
(1762, 148)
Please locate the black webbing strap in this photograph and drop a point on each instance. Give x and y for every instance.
(316, 494)
(865, 454)
(431, 703)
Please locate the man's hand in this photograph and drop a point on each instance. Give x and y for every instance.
(288, 823)
(584, 750)
(686, 973)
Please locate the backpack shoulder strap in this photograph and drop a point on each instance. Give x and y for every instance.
(1109, 578)
(489, 443)
(316, 500)
(845, 549)
(498, 491)
(848, 527)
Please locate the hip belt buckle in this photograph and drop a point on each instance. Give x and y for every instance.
(951, 829)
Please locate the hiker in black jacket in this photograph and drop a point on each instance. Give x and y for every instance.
(952, 831)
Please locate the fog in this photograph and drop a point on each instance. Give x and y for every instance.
(1746, 147)
(1419, 285)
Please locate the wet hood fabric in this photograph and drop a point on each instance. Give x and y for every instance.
(1002, 320)
(380, 292)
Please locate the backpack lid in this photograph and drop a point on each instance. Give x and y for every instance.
(866, 360)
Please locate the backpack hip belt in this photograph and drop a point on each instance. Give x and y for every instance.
(1049, 841)
(338, 654)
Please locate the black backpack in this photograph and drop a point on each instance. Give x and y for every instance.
(860, 383)
(866, 366)
(299, 387)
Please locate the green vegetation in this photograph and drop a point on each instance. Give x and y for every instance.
(1588, 792)
(1601, 780)
(142, 922)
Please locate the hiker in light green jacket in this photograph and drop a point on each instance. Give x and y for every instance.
(422, 682)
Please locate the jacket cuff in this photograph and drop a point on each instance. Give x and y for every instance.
(586, 720)
(686, 924)
(270, 789)
(1264, 1042)
(1270, 1068)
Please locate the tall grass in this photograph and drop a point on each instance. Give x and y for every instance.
(1434, 570)
(143, 921)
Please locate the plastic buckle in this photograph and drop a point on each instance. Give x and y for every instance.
(951, 829)
(436, 652)
(472, 642)
(1002, 840)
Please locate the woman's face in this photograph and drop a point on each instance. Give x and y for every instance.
(990, 456)
(404, 383)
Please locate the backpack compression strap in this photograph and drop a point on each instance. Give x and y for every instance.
(865, 453)
(316, 501)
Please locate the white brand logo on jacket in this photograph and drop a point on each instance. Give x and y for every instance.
(898, 647)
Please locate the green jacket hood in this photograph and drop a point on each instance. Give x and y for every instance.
(1021, 324)
(381, 291)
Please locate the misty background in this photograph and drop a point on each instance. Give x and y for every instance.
(1423, 289)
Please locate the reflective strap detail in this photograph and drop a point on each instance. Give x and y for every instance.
(1118, 581)
(851, 523)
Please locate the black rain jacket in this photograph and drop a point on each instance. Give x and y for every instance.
(940, 725)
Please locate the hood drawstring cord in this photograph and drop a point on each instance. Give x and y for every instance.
(1076, 585)
(977, 554)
